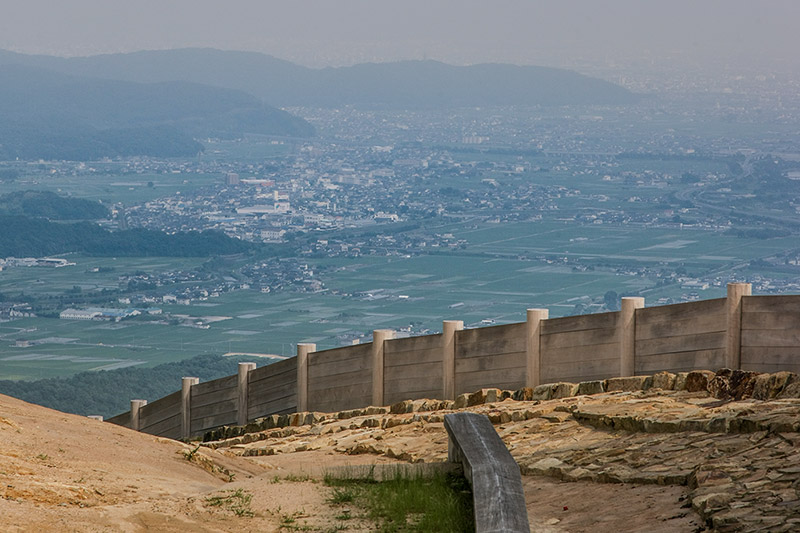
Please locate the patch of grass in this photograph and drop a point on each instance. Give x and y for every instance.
(342, 495)
(236, 501)
(289, 522)
(441, 502)
(344, 515)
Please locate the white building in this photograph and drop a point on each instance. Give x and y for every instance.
(79, 314)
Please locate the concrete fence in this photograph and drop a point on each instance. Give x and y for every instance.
(760, 333)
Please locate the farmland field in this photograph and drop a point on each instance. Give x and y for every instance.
(89, 273)
(498, 269)
(127, 189)
(494, 280)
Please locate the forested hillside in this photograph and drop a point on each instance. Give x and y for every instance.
(24, 236)
(50, 115)
(49, 205)
(108, 392)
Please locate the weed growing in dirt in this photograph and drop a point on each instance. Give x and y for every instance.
(342, 495)
(236, 501)
(190, 455)
(289, 522)
(344, 515)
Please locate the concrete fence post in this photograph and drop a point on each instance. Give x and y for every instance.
(627, 335)
(243, 390)
(135, 406)
(303, 349)
(733, 342)
(449, 328)
(533, 350)
(378, 336)
(186, 406)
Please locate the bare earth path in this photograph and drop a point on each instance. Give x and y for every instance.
(62, 472)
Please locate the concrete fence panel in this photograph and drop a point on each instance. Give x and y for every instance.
(494, 356)
(412, 368)
(580, 348)
(681, 337)
(340, 378)
(272, 389)
(214, 404)
(162, 417)
(122, 419)
(771, 333)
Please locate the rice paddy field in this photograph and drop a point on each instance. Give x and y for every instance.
(500, 274)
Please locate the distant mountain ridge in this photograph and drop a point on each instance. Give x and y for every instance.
(401, 84)
(54, 115)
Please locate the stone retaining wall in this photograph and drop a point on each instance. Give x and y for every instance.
(725, 385)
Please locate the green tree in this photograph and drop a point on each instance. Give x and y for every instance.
(611, 300)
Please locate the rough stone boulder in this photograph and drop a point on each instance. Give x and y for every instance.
(627, 384)
(591, 387)
(663, 381)
(768, 386)
(697, 381)
(730, 384)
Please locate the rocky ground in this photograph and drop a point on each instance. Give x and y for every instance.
(663, 453)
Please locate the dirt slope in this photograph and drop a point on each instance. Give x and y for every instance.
(61, 472)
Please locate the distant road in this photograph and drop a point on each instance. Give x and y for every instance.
(570, 152)
(694, 195)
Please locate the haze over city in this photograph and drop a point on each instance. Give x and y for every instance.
(719, 34)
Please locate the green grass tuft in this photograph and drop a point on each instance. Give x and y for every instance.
(409, 503)
(236, 501)
(342, 495)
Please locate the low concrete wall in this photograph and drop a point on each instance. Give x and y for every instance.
(759, 333)
(681, 337)
(340, 378)
(490, 357)
(771, 333)
(162, 417)
(412, 368)
(580, 348)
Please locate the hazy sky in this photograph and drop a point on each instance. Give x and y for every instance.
(761, 33)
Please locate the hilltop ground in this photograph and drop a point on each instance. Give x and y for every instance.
(627, 460)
